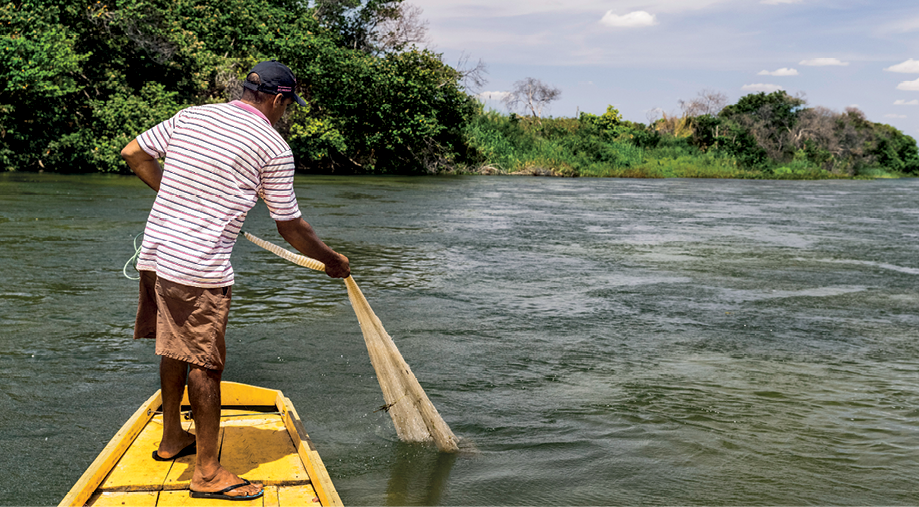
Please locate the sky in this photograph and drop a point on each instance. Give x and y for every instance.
(644, 56)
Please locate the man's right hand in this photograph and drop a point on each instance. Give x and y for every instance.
(301, 236)
(341, 269)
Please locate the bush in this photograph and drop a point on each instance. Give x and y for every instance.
(83, 79)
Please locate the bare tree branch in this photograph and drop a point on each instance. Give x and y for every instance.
(159, 49)
(531, 95)
(404, 28)
(706, 102)
(472, 77)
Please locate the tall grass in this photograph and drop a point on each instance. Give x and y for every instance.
(511, 144)
(558, 146)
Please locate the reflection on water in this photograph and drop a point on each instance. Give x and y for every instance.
(419, 476)
(600, 342)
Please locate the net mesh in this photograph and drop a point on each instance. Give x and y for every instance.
(414, 416)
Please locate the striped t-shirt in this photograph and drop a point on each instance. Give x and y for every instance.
(219, 159)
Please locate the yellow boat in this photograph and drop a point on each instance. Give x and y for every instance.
(261, 439)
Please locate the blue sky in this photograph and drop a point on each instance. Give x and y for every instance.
(642, 55)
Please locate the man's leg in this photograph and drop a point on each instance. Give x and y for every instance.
(173, 374)
(209, 475)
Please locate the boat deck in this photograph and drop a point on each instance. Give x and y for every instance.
(259, 442)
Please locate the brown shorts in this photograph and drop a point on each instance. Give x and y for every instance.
(189, 323)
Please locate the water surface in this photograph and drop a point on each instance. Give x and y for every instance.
(594, 342)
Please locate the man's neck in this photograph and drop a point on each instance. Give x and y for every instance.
(264, 107)
(256, 107)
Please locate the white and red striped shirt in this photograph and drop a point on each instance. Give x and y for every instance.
(219, 159)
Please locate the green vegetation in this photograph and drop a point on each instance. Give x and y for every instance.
(762, 136)
(83, 77)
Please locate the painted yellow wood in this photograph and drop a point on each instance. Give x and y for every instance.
(303, 495)
(86, 485)
(124, 498)
(258, 448)
(183, 498)
(271, 497)
(137, 470)
(262, 447)
(319, 476)
(179, 476)
(234, 393)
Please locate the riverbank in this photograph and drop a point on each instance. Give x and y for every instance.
(675, 169)
(607, 146)
(656, 169)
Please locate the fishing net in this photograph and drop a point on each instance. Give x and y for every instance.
(413, 414)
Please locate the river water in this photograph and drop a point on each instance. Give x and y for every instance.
(593, 341)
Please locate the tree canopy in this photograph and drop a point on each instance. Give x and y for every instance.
(766, 128)
(85, 77)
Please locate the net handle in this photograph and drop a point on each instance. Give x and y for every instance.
(296, 258)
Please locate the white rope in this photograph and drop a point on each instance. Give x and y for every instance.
(133, 260)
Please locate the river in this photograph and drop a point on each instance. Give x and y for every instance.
(592, 341)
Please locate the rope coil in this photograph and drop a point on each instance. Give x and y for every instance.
(133, 260)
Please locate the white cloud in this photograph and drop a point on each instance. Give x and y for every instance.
(894, 116)
(823, 62)
(635, 19)
(901, 25)
(493, 95)
(780, 72)
(901, 102)
(777, 2)
(908, 67)
(911, 86)
(761, 87)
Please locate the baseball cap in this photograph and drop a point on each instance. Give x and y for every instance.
(275, 78)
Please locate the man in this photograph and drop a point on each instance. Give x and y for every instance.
(219, 159)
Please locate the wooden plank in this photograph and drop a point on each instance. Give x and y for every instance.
(318, 474)
(179, 476)
(297, 496)
(137, 470)
(259, 448)
(234, 393)
(183, 499)
(102, 465)
(271, 497)
(123, 498)
(263, 447)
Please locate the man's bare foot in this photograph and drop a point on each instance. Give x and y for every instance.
(220, 481)
(168, 449)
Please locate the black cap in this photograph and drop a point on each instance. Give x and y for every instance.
(275, 78)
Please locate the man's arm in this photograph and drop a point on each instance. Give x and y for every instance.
(301, 236)
(147, 168)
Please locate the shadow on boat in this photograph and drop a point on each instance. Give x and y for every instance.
(247, 450)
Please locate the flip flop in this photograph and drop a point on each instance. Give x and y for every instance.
(221, 495)
(189, 449)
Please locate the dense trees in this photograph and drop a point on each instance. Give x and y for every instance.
(763, 130)
(761, 136)
(82, 78)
